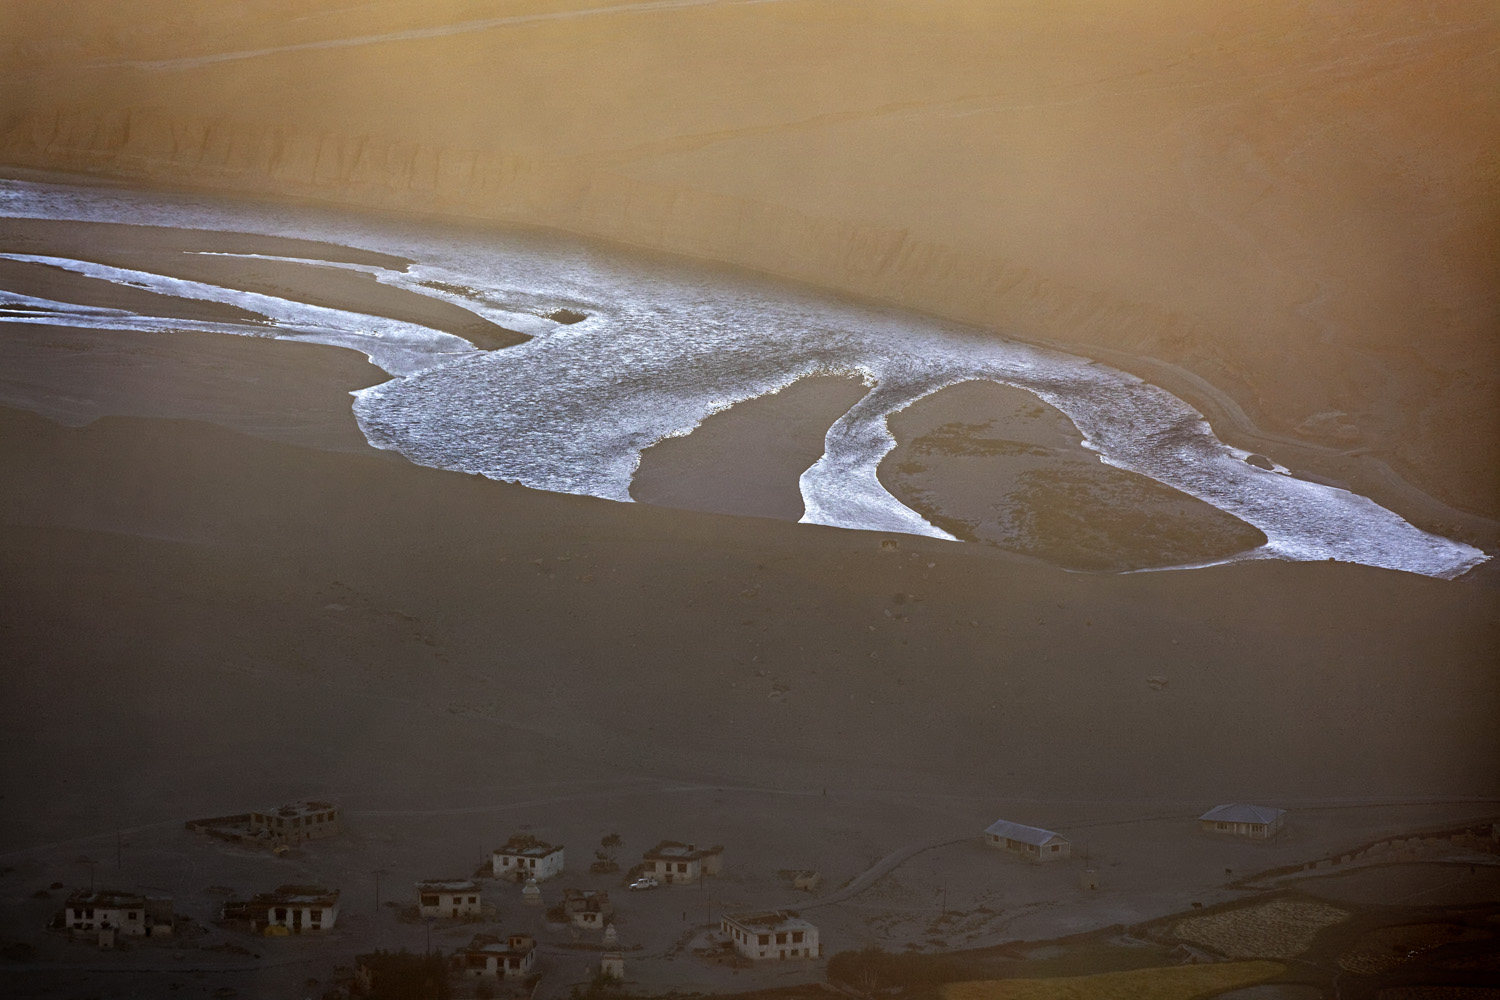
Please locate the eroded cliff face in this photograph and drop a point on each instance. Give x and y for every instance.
(1301, 207)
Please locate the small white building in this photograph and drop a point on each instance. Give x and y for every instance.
(1241, 820)
(675, 863)
(452, 899)
(291, 909)
(524, 856)
(771, 935)
(1029, 842)
(309, 819)
(488, 956)
(125, 913)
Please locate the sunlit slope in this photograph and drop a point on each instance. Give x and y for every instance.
(1300, 204)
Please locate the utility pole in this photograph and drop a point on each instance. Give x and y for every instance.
(377, 873)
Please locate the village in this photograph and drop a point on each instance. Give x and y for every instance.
(532, 920)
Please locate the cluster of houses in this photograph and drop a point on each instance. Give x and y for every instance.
(771, 935)
(1234, 819)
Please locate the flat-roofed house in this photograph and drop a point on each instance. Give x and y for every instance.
(448, 898)
(587, 909)
(488, 956)
(676, 863)
(291, 909)
(308, 819)
(524, 856)
(1029, 842)
(770, 935)
(128, 914)
(1241, 820)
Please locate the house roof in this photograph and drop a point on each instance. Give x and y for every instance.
(300, 808)
(448, 885)
(523, 845)
(768, 920)
(1239, 812)
(678, 851)
(517, 945)
(1024, 834)
(313, 895)
(106, 898)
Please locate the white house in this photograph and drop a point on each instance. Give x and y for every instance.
(1030, 842)
(524, 856)
(125, 913)
(450, 898)
(497, 958)
(675, 863)
(772, 934)
(291, 909)
(1238, 819)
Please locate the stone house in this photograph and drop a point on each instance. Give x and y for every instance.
(451, 899)
(488, 956)
(587, 909)
(524, 856)
(771, 935)
(291, 909)
(309, 819)
(127, 914)
(675, 863)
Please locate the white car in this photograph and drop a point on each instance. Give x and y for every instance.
(645, 882)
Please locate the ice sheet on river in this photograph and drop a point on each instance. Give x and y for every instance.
(665, 344)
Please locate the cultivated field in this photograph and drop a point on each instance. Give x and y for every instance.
(1279, 929)
(1174, 983)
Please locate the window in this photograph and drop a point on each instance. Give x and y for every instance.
(317, 915)
(681, 866)
(429, 900)
(781, 938)
(132, 915)
(1221, 826)
(1056, 848)
(796, 937)
(473, 900)
(764, 939)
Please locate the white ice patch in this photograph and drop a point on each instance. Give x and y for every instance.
(666, 345)
(399, 348)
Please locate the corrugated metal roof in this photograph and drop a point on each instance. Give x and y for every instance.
(1024, 834)
(1239, 812)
